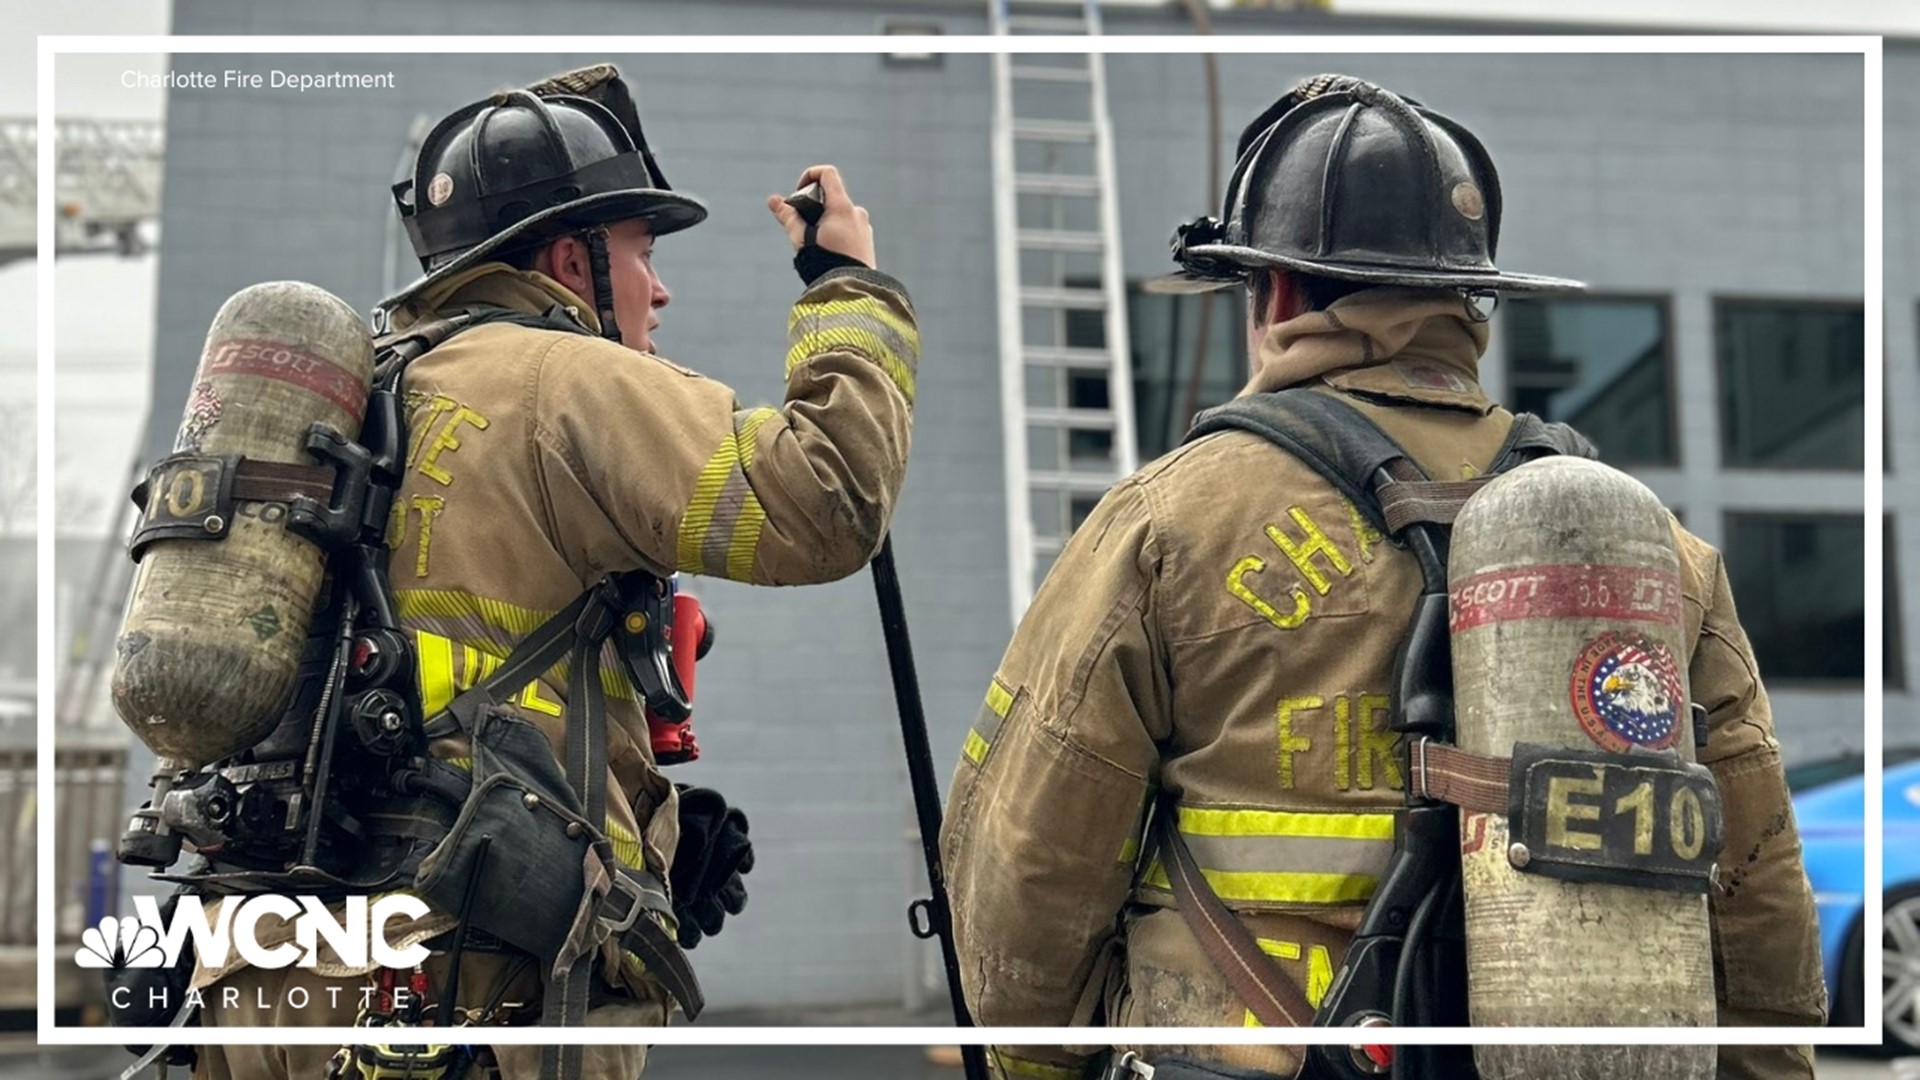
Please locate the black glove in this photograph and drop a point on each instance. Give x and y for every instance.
(707, 866)
(813, 261)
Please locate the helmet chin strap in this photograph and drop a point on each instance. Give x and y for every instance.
(602, 283)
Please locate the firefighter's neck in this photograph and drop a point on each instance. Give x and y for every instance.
(1367, 328)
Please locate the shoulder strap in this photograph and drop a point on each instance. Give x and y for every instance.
(395, 350)
(1366, 465)
(1332, 437)
(1255, 978)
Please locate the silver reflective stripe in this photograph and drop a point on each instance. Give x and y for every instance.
(1269, 853)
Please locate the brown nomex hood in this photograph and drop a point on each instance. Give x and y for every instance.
(1413, 344)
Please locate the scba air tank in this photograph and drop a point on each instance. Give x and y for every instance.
(212, 642)
(1567, 632)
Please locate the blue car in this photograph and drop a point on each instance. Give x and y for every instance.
(1829, 802)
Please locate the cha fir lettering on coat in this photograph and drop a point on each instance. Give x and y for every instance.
(1311, 552)
(438, 425)
(1343, 734)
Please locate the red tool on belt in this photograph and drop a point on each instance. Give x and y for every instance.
(689, 638)
(662, 634)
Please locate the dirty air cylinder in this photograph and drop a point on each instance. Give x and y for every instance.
(1566, 624)
(211, 645)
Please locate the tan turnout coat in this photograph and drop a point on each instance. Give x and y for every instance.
(1220, 633)
(540, 461)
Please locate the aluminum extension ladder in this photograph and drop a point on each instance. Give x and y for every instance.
(1065, 377)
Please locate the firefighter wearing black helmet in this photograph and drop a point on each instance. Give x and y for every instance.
(1209, 664)
(550, 447)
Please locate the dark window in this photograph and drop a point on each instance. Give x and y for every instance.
(1165, 332)
(1797, 585)
(1894, 653)
(1602, 365)
(1792, 384)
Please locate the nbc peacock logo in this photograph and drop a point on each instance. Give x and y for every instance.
(119, 944)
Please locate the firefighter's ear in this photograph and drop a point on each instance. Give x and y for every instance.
(565, 261)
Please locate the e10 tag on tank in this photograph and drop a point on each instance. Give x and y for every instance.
(1644, 819)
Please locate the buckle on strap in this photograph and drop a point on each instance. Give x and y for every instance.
(601, 612)
(619, 924)
(1418, 767)
(641, 896)
(1128, 1066)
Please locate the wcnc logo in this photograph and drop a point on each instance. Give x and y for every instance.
(356, 933)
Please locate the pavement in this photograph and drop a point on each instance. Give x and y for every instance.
(20, 1060)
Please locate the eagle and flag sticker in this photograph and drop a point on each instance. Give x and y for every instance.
(1627, 693)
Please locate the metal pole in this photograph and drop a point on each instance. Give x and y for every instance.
(926, 789)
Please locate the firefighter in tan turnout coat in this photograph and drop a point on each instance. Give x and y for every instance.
(1217, 638)
(542, 459)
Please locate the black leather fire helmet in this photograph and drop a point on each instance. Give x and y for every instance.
(523, 167)
(1344, 179)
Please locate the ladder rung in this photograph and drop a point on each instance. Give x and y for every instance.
(1077, 299)
(1053, 131)
(1052, 184)
(1061, 240)
(1079, 419)
(1039, 73)
(1049, 545)
(1067, 481)
(1047, 24)
(1066, 357)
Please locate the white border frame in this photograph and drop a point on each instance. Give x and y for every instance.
(1867, 47)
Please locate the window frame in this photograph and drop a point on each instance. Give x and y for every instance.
(1721, 409)
(1789, 515)
(1669, 358)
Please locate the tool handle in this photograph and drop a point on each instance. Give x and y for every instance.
(810, 201)
(924, 784)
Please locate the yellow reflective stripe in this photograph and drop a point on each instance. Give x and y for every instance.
(1130, 851)
(720, 529)
(457, 604)
(1328, 858)
(436, 671)
(464, 764)
(531, 698)
(633, 963)
(626, 847)
(742, 551)
(999, 698)
(1041, 1070)
(441, 679)
(976, 748)
(854, 312)
(750, 433)
(864, 325)
(986, 727)
(746, 539)
(1210, 821)
(1319, 971)
(706, 496)
(1280, 887)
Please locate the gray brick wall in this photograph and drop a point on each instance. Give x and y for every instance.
(1688, 175)
(1901, 259)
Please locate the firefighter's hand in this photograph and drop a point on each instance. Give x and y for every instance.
(708, 865)
(843, 227)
